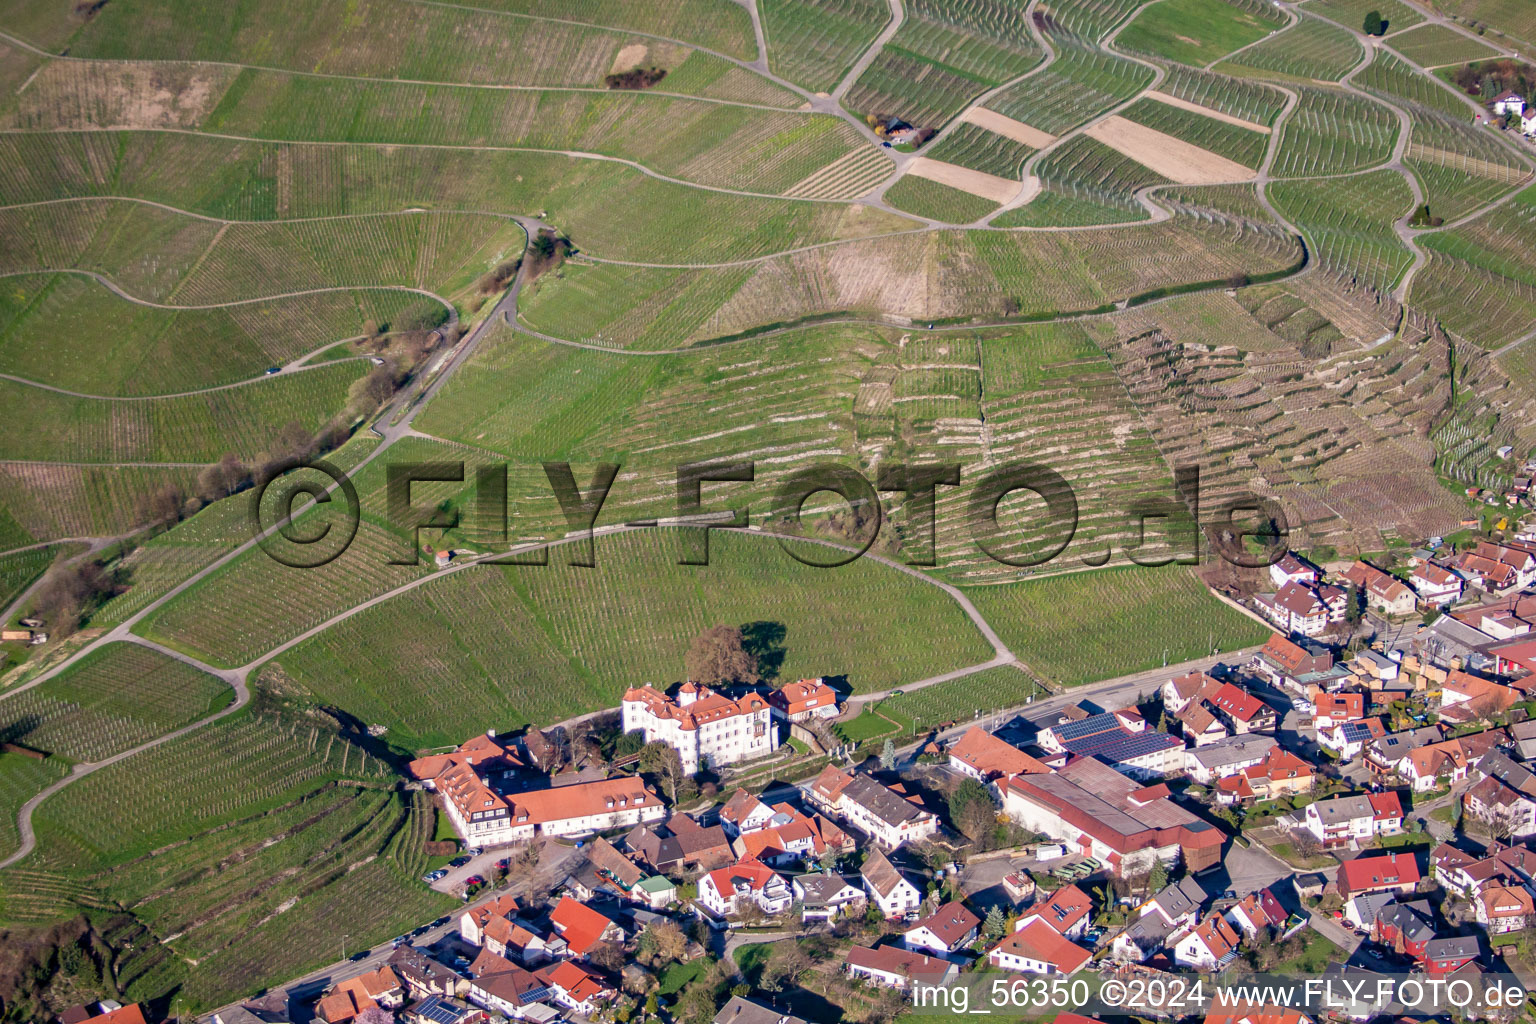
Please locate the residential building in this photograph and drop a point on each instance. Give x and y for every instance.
(423, 977)
(1257, 914)
(1292, 568)
(1120, 738)
(1067, 910)
(1286, 662)
(679, 845)
(1504, 796)
(741, 1010)
(1241, 712)
(1447, 762)
(473, 921)
(1381, 590)
(826, 896)
(948, 929)
(804, 700)
(1198, 724)
(1103, 814)
(1386, 872)
(1208, 946)
(581, 927)
(985, 757)
(1349, 820)
(744, 812)
(1172, 910)
(706, 729)
(1468, 698)
(898, 968)
(1190, 688)
(439, 1010)
(1405, 927)
(500, 986)
(1337, 708)
(369, 990)
(727, 891)
(1435, 585)
(886, 814)
(893, 894)
(1227, 757)
(1449, 955)
(1503, 908)
(1507, 102)
(576, 988)
(1348, 740)
(1303, 609)
(1037, 948)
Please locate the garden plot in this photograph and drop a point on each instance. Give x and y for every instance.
(1172, 158)
(978, 183)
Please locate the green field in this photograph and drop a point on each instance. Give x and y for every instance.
(115, 698)
(21, 778)
(1197, 32)
(1351, 13)
(960, 699)
(1079, 627)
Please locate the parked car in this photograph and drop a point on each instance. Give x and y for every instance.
(458, 862)
(274, 369)
(440, 922)
(362, 954)
(474, 880)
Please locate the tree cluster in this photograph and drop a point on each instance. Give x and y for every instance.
(635, 78)
(718, 656)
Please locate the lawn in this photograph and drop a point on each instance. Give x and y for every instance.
(1195, 32)
(1079, 627)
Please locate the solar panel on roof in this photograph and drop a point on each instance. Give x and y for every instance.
(1086, 727)
(1121, 745)
(1356, 731)
(434, 1009)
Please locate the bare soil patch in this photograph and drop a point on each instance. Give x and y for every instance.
(1007, 127)
(1173, 158)
(1215, 115)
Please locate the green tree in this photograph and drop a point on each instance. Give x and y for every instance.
(971, 809)
(993, 926)
(662, 761)
(1158, 879)
(1373, 23)
(888, 754)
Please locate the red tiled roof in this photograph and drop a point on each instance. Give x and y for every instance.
(580, 800)
(1378, 872)
(951, 923)
(1039, 941)
(992, 756)
(130, 1014)
(578, 924)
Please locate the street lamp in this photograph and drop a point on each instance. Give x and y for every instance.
(344, 939)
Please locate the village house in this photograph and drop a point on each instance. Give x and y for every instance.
(1208, 946)
(434, 1010)
(1435, 585)
(1292, 568)
(1190, 688)
(576, 988)
(893, 895)
(1449, 955)
(826, 896)
(1172, 910)
(897, 968)
(1387, 872)
(1337, 708)
(727, 891)
(500, 986)
(1303, 609)
(1508, 102)
(680, 845)
(947, 930)
(804, 701)
(792, 836)
(1503, 797)
(1067, 910)
(1348, 740)
(1468, 698)
(1381, 590)
(1503, 908)
(423, 977)
(1226, 757)
(1405, 928)
(348, 999)
(1350, 820)
(741, 1010)
(744, 812)
(472, 922)
(1041, 941)
(1292, 663)
(581, 927)
(1101, 813)
(1120, 738)
(886, 814)
(1257, 914)
(1447, 762)
(706, 729)
(1241, 712)
(1198, 724)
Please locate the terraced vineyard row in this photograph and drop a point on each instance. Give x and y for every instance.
(1349, 221)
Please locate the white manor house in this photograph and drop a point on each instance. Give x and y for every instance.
(706, 729)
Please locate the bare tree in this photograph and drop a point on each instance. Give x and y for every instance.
(719, 655)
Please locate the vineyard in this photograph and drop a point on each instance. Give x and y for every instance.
(1243, 145)
(1198, 32)
(1309, 51)
(815, 44)
(1395, 16)
(945, 52)
(1079, 84)
(1348, 222)
(960, 699)
(1438, 45)
(539, 644)
(1332, 132)
(19, 568)
(50, 500)
(1460, 166)
(21, 778)
(925, 198)
(971, 145)
(1245, 100)
(115, 698)
(1085, 168)
(1388, 76)
(1078, 627)
(1479, 281)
